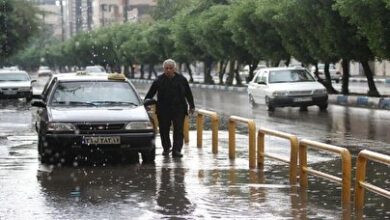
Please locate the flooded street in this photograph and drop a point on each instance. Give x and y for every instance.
(201, 185)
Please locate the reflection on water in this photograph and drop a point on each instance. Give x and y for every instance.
(99, 192)
(172, 196)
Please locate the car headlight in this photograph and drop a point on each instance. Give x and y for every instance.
(139, 125)
(279, 93)
(320, 92)
(60, 127)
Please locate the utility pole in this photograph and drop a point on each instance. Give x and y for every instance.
(62, 20)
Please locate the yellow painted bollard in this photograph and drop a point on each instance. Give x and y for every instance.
(186, 129)
(214, 128)
(199, 130)
(232, 139)
(252, 138)
(361, 184)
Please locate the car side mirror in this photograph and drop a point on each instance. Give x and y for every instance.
(261, 83)
(33, 81)
(38, 103)
(148, 102)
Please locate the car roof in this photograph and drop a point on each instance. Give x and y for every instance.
(82, 76)
(282, 68)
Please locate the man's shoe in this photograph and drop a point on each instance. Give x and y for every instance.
(177, 154)
(166, 152)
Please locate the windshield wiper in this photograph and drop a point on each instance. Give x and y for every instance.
(74, 103)
(114, 103)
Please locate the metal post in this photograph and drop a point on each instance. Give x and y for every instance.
(62, 21)
(199, 129)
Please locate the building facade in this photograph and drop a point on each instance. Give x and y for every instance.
(69, 17)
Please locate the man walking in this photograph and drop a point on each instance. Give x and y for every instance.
(173, 97)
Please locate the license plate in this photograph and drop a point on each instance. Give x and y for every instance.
(9, 92)
(302, 99)
(101, 140)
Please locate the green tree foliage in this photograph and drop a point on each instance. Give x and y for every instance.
(373, 21)
(167, 9)
(18, 22)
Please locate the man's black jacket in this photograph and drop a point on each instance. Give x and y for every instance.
(172, 94)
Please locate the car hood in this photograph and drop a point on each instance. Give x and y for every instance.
(301, 86)
(14, 84)
(97, 114)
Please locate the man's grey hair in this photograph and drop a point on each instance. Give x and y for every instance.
(169, 62)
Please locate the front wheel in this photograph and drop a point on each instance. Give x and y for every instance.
(44, 155)
(270, 107)
(148, 156)
(29, 98)
(323, 107)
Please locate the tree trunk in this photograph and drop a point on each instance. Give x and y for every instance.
(230, 76)
(132, 72)
(222, 69)
(126, 70)
(207, 71)
(372, 91)
(328, 81)
(238, 77)
(189, 72)
(152, 71)
(345, 79)
(252, 68)
(142, 71)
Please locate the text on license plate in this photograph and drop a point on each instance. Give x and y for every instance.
(302, 99)
(101, 140)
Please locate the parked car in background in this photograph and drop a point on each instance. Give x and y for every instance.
(44, 71)
(286, 86)
(96, 70)
(15, 84)
(335, 75)
(83, 115)
(11, 68)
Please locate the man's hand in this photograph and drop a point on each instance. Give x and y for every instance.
(191, 111)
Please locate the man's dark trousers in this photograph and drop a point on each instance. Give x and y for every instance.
(164, 121)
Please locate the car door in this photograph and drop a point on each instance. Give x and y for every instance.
(257, 87)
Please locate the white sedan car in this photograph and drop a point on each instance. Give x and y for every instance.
(15, 84)
(286, 86)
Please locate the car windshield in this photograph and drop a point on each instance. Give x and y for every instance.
(14, 77)
(284, 76)
(89, 93)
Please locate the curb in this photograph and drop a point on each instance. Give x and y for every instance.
(354, 101)
(360, 101)
(387, 81)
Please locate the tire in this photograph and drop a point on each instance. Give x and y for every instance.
(130, 157)
(148, 156)
(303, 108)
(323, 107)
(29, 98)
(44, 155)
(252, 102)
(270, 107)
